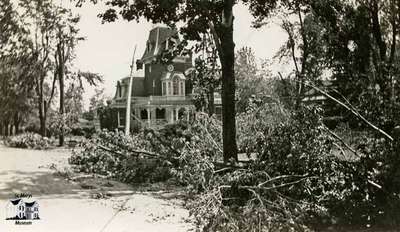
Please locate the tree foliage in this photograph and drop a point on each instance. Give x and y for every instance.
(196, 18)
(36, 50)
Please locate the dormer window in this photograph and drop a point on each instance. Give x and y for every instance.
(119, 90)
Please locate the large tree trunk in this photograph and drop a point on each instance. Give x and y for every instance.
(210, 100)
(228, 84)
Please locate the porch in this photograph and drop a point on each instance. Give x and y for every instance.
(154, 116)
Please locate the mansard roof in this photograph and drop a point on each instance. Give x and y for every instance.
(138, 89)
(157, 41)
(30, 204)
(15, 202)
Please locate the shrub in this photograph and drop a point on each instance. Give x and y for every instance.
(108, 117)
(85, 131)
(29, 140)
(59, 124)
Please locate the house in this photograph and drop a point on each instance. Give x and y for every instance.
(164, 93)
(32, 210)
(18, 209)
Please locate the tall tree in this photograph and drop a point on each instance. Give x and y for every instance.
(41, 22)
(66, 41)
(197, 17)
(15, 57)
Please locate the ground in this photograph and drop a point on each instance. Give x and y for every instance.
(71, 202)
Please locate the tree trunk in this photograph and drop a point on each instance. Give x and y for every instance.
(228, 84)
(301, 74)
(6, 129)
(42, 116)
(16, 122)
(61, 79)
(210, 99)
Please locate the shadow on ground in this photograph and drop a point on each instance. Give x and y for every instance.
(47, 184)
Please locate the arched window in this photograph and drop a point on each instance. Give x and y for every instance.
(175, 85)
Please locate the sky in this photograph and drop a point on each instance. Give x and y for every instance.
(108, 48)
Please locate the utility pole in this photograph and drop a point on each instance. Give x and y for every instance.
(128, 99)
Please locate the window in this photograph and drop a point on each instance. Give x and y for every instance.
(175, 85)
(169, 88)
(182, 91)
(163, 88)
(121, 117)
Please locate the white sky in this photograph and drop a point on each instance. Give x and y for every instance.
(108, 48)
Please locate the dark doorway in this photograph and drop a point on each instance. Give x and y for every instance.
(143, 114)
(160, 113)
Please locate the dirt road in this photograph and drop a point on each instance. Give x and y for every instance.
(81, 204)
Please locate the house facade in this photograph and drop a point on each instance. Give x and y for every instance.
(164, 93)
(18, 209)
(32, 210)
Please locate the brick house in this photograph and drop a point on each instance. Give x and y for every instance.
(164, 94)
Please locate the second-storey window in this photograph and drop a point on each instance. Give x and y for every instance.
(182, 88)
(175, 85)
(164, 86)
(169, 88)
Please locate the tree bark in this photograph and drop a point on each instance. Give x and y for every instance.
(60, 70)
(376, 30)
(61, 78)
(210, 99)
(301, 74)
(42, 115)
(228, 84)
(6, 129)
